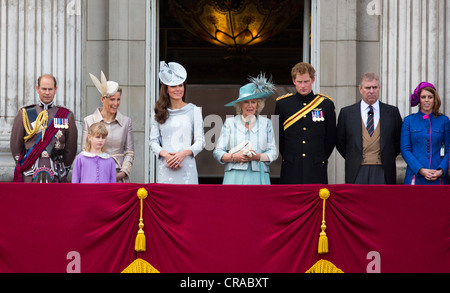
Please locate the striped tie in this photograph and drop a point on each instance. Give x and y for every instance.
(370, 126)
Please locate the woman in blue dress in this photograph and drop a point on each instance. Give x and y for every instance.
(425, 139)
(176, 135)
(246, 145)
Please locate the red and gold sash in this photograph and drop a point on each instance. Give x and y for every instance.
(27, 160)
(303, 112)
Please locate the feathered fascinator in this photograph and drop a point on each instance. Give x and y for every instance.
(262, 84)
(259, 88)
(105, 87)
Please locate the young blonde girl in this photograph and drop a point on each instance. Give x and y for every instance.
(93, 165)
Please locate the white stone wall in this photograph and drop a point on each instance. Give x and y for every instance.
(404, 41)
(414, 40)
(349, 46)
(70, 39)
(37, 37)
(415, 48)
(115, 44)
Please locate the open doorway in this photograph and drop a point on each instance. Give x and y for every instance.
(216, 73)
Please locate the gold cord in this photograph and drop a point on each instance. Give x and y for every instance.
(41, 121)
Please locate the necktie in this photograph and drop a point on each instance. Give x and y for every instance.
(370, 126)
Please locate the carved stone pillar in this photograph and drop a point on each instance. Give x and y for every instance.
(415, 49)
(415, 35)
(37, 37)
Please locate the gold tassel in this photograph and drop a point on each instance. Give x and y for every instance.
(323, 239)
(140, 238)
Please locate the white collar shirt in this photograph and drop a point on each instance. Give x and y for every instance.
(365, 113)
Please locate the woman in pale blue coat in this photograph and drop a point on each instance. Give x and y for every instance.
(425, 139)
(246, 145)
(176, 135)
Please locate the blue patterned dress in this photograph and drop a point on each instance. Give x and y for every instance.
(262, 138)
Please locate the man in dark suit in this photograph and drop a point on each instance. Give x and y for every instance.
(307, 130)
(369, 137)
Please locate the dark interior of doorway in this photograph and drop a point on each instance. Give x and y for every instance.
(210, 65)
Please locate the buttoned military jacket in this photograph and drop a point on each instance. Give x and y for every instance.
(66, 139)
(306, 145)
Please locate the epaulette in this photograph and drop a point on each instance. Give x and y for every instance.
(326, 97)
(29, 106)
(62, 107)
(33, 105)
(284, 97)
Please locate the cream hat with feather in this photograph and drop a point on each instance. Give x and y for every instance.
(105, 87)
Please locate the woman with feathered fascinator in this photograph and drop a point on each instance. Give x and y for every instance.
(120, 140)
(246, 145)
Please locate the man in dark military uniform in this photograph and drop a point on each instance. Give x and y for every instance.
(307, 130)
(43, 138)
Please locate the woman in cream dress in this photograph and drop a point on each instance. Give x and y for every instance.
(177, 134)
(120, 141)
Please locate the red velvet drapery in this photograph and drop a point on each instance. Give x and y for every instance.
(223, 229)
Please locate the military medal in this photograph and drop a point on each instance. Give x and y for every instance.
(322, 117)
(61, 123)
(314, 115)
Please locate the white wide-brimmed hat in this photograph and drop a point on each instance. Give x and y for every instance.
(172, 74)
(105, 87)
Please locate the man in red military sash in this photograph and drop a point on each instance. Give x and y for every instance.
(43, 138)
